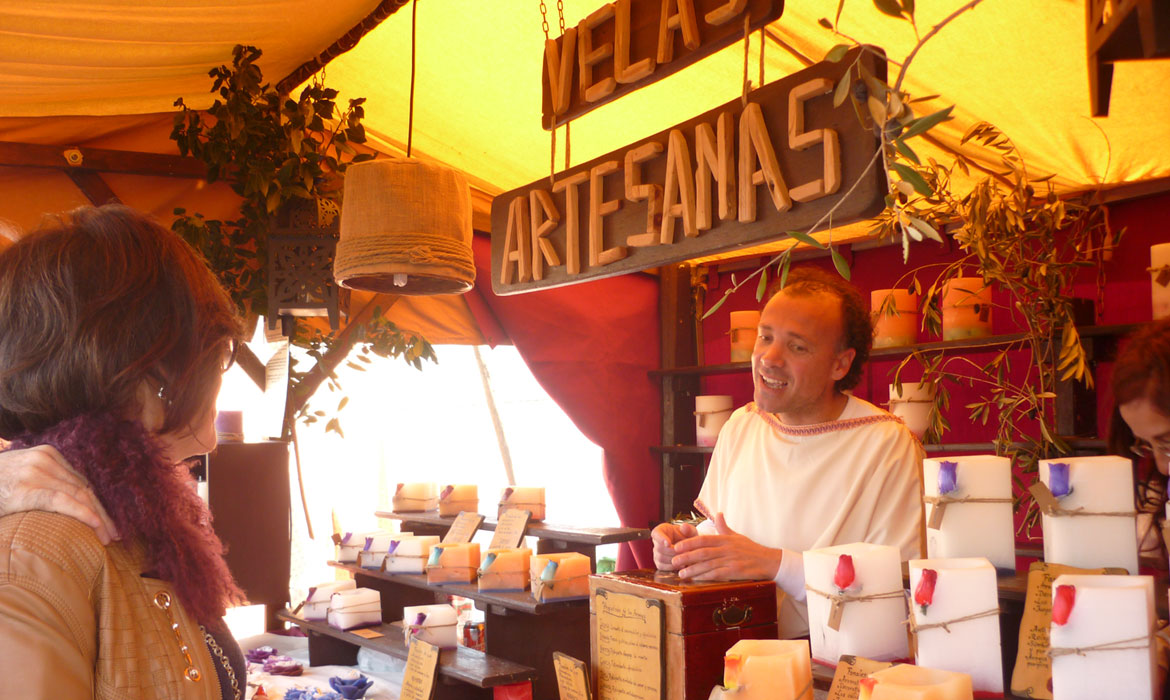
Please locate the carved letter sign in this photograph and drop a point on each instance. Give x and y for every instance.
(734, 176)
(626, 44)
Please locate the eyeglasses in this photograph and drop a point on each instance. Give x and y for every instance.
(1142, 448)
(229, 358)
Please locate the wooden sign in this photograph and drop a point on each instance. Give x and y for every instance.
(463, 529)
(629, 647)
(725, 179)
(422, 665)
(627, 44)
(510, 529)
(847, 678)
(572, 677)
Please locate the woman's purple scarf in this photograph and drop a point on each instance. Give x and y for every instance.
(151, 501)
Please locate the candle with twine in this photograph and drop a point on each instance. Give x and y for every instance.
(408, 555)
(559, 575)
(416, 497)
(711, 412)
(433, 624)
(969, 509)
(453, 563)
(1088, 512)
(1102, 637)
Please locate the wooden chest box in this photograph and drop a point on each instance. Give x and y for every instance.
(700, 620)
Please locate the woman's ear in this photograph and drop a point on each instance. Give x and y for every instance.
(151, 409)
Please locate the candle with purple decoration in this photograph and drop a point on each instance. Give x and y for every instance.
(969, 508)
(1095, 524)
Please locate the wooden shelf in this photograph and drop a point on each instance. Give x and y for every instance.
(462, 664)
(681, 450)
(592, 536)
(521, 601)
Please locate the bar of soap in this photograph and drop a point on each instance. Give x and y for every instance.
(408, 555)
(561, 575)
(356, 607)
(350, 544)
(415, 497)
(529, 498)
(434, 624)
(908, 682)
(375, 547)
(453, 563)
(768, 669)
(317, 602)
(505, 569)
(456, 498)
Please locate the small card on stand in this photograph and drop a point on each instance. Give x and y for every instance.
(367, 633)
(850, 670)
(463, 529)
(572, 677)
(422, 665)
(510, 529)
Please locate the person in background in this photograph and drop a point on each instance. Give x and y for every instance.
(114, 336)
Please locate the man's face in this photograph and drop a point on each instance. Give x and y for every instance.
(797, 359)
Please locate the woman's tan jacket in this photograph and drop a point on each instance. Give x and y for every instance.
(78, 620)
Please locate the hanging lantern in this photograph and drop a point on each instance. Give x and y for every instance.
(300, 251)
(405, 229)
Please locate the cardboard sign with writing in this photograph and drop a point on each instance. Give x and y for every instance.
(572, 677)
(629, 647)
(422, 666)
(510, 529)
(1032, 674)
(850, 670)
(463, 529)
(732, 176)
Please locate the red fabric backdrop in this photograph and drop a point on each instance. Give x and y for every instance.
(591, 346)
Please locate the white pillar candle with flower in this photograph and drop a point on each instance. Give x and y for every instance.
(969, 509)
(1091, 522)
(855, 602)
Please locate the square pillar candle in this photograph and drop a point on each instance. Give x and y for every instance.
(1100, 640)
(561, 575)
(408, 555)
(969, 509)
(317, 602)
(453, 563)
(356, 607)
(529, 498)
(767, 669)
(415, 497)
(906, 682)
(505, 569)
(895, 317)
(1102, 532)
(434, 624)
(954, 608)
(711, 412)
(743, 330)
(456, 498)
(855, 602)
(374, 547)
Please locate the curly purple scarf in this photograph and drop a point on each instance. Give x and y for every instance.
(151, 501)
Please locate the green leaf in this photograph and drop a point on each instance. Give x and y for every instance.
(840, 5)
(926, 229)
(805, 238)
(762, 286)
(719, 303)
(836, 53)
(905, 150)
(924, 124)
(908, 8)
(825, 23)
(888, 7)
(842, 91)
(839, 263)
(911, 175)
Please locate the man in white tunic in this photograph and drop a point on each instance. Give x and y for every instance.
(805, 465)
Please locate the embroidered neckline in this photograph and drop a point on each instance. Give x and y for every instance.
(819, 428)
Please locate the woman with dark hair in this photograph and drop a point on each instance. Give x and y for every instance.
(114, 336)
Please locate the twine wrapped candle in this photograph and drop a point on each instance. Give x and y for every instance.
(456, 498)
(453, 563)
(855, 602)
(1160, 279)
(954, 615)
(966, 308)
(895, 317)
(912, 405)
(559, 575)
(1088, 512)
(969, 509)
(434, 624)
(744, 327)
(356, 607)
(375, 545)
(317, 601)
(409, 554)
(416, 497)
(1101, 641)
(767, 669)
(505, 569)
(529, 498)
(351, 544)
(906, 682)
(711, 412)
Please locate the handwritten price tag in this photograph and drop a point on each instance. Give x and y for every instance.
(463, 529)
(510, 529)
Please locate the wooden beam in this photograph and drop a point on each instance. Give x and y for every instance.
(92, 186)
(34, 155)
(345, 43)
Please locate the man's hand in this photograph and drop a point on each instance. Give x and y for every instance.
(39, 478)
(725, 556)
(665, 536)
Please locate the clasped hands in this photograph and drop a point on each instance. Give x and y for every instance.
(724, 556)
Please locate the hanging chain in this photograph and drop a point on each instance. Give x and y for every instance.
(552, 159)
(560, 14)
(544, 19)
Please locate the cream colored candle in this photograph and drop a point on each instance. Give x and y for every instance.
(317, 601)
(505, 569)
(954, 606)
(350, 544)
(1160, 279)
(866, 580)
(711, 412)
(453, 563)
(356, 607)
(768, 669)
(434, 624)
(1100, 490)
(969, 509)
(456, 498)
(966, 308)
(906, 682)
(408, 555)
(744, 327)
(912, 405)
(1100, 639)
(560, 575)
(374, 548)
(895, 317)
(529, 498)
(416, 497)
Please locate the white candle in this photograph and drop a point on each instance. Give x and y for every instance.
(1102, 484)
(350, 544)
(711, 412)
(412, 498)
(356, 607)
(317, 601)
(434, 624)
(962, 594)
(906, 682)
(895, 317)
(1160, 279)
(408, 555)
(972, 529)
(456, 498)
(873, 627)
(1114, 611)
(966, 308)
(744, 328)
(374, 546)
(505, 569)
(561, 575)
(453, 563)
(768, 669)
(912, 405)
(529, 498)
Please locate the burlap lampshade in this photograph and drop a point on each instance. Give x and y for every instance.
(405, 229)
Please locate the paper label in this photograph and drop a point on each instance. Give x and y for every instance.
(629, 647)
(367, 633)
(850, 670)
(1044, 497)
(510, 529)
(836, 611)
(572, 677)
(463, 529)
(937, 511)
(422, 665)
